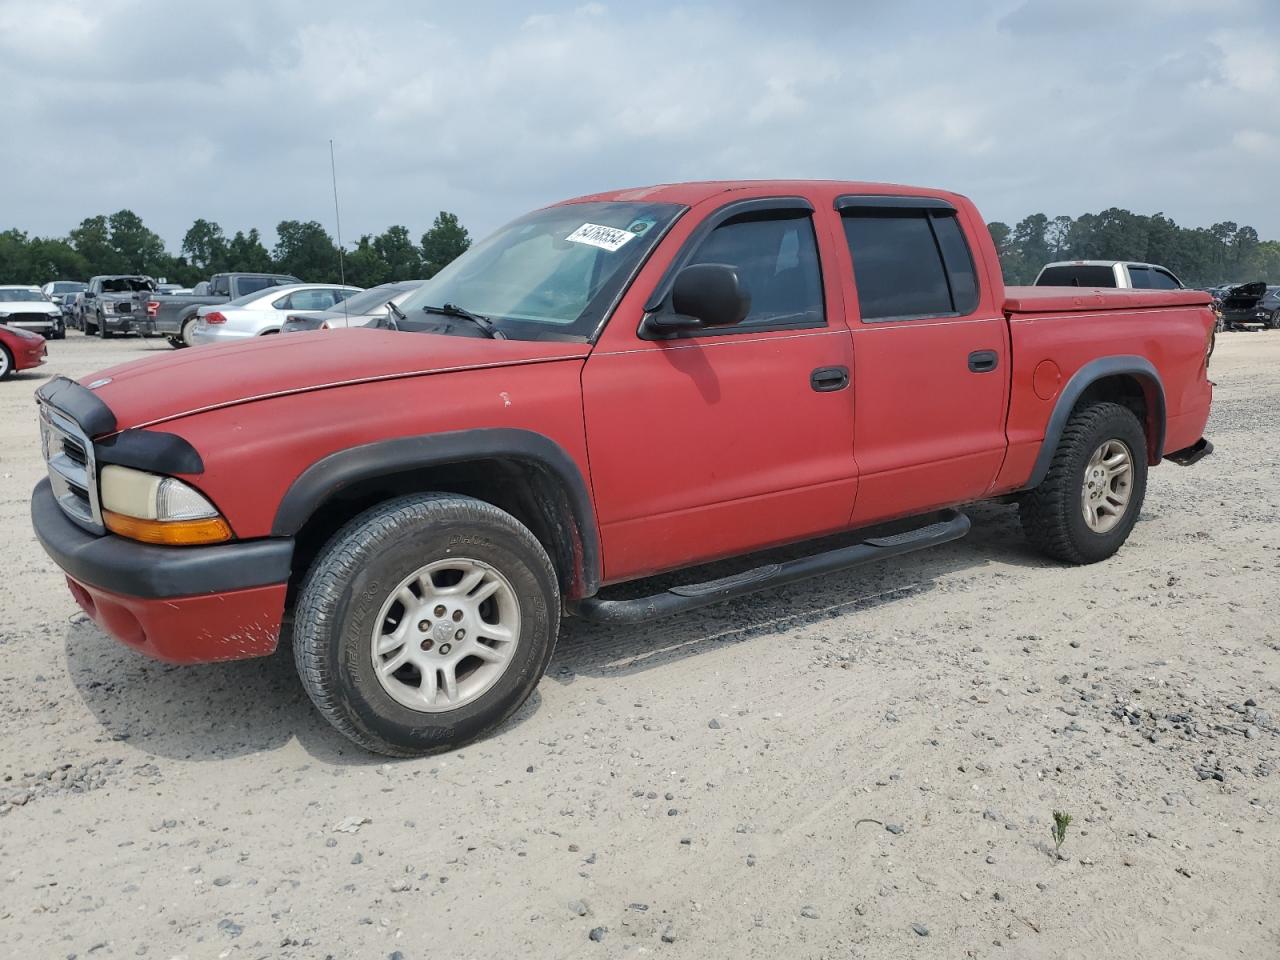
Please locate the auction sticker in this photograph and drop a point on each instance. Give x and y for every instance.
(606, 238)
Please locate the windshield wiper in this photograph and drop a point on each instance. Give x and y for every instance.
(398, 314)
(484, 323)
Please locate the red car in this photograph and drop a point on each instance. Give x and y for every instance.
(20, 350)
(621, 385)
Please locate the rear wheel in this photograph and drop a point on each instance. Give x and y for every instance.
(425, 622)
(1088, 502)
(188, 328)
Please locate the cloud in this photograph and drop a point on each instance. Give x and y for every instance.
(225, 110)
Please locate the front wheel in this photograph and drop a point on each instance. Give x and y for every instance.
(103, 332)
(6, 362)
(425, 622)
(1088, 502)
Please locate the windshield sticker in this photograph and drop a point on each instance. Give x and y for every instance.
(641, 225)
(606, 238)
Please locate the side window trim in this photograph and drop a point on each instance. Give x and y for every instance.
(934, 208)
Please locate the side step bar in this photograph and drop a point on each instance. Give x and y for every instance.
(1192, 454)
(952, 526)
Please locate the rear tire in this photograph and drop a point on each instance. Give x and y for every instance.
(188, 327)
(1080, 485)
(350, 615)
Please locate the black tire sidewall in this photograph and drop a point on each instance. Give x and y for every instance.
(380, 567)
(1115, 424)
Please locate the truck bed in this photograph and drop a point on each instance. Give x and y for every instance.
(1087, 300)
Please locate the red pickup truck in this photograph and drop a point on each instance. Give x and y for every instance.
(625, 384)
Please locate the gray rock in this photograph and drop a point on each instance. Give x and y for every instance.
(579, 907)
(668, 935)
(809, 913)
(230, 927)
(714, 724)
(920, 929)
(597, 934)
(894, 828)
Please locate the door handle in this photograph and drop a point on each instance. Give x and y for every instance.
(827, 379)
(983, 361)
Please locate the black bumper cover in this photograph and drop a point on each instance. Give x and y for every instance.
(142, 570)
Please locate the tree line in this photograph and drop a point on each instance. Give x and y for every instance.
(1200, 256)
(122, 243)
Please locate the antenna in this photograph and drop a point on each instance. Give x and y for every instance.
(337, 218)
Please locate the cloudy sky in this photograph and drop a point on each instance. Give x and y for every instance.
(223, 110)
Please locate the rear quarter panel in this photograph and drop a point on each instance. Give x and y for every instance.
(254, 451)
(1173, 339)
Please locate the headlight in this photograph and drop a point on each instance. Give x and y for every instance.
(154, 509)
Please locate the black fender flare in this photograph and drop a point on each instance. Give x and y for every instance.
(331, 474)
(1085, 377)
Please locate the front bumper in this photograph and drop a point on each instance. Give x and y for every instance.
(33, 356)
(180, 604)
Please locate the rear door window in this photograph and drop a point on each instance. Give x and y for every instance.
(1139, 277)
(1163, 280)
(910, 263)
(307, 300)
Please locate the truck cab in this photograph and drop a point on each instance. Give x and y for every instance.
(1121, 274)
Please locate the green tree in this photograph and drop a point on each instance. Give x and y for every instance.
(247, 253)
(92, 240)
(206, 248)
(306, 250)
(365, 268)
(395, 248)
(138, 249)
(443, 243)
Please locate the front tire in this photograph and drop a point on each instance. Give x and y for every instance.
(6, 363)
(1088, 502)
(425, 622)
(103, 332)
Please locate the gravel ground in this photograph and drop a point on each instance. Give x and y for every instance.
(863, 765)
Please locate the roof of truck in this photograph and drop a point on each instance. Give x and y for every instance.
(698, 191)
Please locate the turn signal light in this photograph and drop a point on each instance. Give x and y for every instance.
(172, 533)
(153, 307)
(214, 317)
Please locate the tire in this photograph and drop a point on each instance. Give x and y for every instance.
(184, 338)
(1054, 514)
(103, 332)
(6, 363)
(371, 562)
(89, 329)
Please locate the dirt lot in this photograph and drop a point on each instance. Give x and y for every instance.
(707, 786)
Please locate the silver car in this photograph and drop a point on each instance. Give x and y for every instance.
(263, 311)
(367, 309)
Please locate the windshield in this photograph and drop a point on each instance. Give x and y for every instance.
(554, 273)
(367, 301)
(20, 296)
(126, 284)
(68, 286)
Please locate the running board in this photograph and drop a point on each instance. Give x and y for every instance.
(952, 526)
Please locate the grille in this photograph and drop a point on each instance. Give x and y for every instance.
(124, 306)
(29, 318)
(68, 453)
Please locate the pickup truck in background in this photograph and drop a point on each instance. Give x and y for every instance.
(116, 304)
(1107, 273)
(627, 384)
(174, 316)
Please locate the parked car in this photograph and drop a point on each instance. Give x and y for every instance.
(1240, 306)
(365, 309)
(65, 293)
(1267, 312)
(20, 349)
(116, 304)
(1107, 273)
(262, 312)
(175, 316)
(622, 385)
(27, 308)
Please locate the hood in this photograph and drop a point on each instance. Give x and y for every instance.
(28, 306)
(150, 391)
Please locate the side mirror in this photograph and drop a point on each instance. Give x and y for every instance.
(704, 295)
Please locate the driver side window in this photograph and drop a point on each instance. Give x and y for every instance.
(777, 262)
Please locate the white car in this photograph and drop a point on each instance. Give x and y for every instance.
(29, 309)
(263, 311)
(1107, 273)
